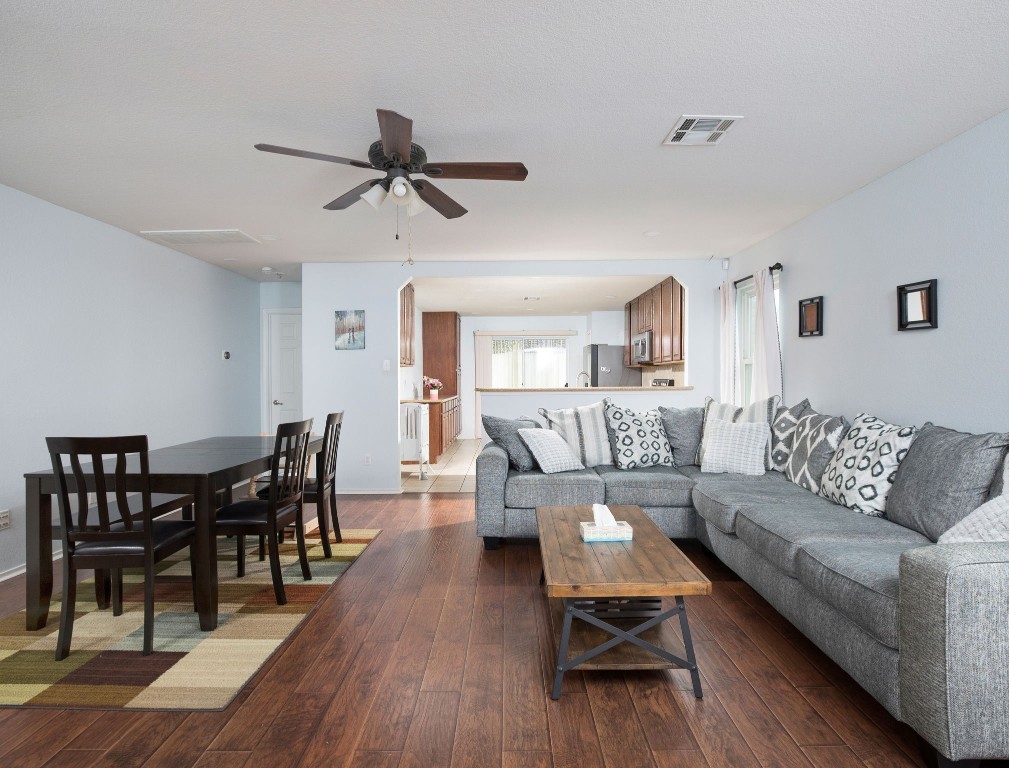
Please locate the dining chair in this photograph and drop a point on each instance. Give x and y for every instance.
(284, 503)
(110, 535)
(321, 490)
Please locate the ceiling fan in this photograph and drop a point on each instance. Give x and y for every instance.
(398, 156)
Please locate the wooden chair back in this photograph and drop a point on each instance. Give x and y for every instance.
(330, 445)
(290, 463)
(82, 521)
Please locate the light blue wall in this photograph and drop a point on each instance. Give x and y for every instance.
(944, 215)
(107, 333)
(278, 295)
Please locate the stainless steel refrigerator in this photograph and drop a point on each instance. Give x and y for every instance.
(604, 364)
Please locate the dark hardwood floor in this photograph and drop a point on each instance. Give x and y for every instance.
(431, 651)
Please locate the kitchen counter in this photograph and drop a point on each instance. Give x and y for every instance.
(569, 390)
(431, 400)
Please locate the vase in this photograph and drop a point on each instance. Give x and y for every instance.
(433, 394)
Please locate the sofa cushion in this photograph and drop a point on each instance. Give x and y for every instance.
(779, 531)
(816, 439)
(760, 411)
(683, 428)
(859, 578)
(861, 472)
(646, 486)
(638, 439)
(783, 432)
(720, 502)
(536, 489)
(505, 432)
(584, 429)
(945, 476)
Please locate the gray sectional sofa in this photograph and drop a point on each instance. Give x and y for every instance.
(923, 627)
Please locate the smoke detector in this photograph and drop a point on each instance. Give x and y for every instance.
(700, 130)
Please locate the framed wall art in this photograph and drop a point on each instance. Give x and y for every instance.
(918, 305)
(349, 328)
(811, 316)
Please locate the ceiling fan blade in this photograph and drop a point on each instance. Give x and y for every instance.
(490, 171)
(397, 133)
(313, 156)
(349, 198)
(438, 200)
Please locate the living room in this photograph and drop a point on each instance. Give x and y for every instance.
(871, 152)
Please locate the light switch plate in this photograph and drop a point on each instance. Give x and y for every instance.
(5, 519)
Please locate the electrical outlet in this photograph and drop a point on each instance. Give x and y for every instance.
(367, 459)
(5, 519)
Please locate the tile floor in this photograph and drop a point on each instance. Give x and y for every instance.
(455, 471)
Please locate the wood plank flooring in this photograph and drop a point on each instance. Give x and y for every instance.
(431, 651)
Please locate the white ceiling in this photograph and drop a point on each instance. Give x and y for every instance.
(144, 115)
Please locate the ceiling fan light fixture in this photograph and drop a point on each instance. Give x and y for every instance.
(401, 189)
(416, 205)
(375, 196)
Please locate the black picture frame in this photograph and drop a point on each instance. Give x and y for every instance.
(811, 317)
(918, 305)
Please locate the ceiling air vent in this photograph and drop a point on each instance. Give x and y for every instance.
(176, 237)
(699, 130)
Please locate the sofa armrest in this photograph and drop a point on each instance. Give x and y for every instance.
(954, 647)
(491, 476)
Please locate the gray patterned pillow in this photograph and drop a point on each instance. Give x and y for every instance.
(815, 440)
(783, 432)
(584, 429)
(551, 451)
(683, 428)
(505, 432)
(762, 410)
(861, 472)
(638, 439)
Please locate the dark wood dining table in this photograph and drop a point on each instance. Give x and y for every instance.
(202, 468)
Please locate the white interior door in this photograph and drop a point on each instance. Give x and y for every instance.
(283, 369)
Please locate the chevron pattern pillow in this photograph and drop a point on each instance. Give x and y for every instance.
(814, 442)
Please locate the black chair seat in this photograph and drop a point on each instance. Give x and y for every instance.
(167, 534)
(249, 512)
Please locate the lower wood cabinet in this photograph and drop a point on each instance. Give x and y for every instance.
(445, 425)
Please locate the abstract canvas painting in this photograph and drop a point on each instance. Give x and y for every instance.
(349, 329)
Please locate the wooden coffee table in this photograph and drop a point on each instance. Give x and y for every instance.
(616, 590)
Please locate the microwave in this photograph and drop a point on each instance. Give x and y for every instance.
(641, 348)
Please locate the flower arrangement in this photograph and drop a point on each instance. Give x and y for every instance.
(430, 383)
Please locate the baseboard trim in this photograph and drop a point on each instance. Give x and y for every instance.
(17, 570)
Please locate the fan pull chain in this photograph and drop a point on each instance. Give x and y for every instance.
(397, 222)
(409, 241)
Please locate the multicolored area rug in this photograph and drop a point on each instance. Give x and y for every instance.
(189, 669)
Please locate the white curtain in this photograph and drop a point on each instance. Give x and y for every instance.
(728, 343)
(766, 344)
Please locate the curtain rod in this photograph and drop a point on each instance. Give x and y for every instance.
(776, 267)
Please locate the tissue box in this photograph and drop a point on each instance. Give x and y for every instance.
(619, 532)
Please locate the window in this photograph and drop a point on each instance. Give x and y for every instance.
(528, 362)
(746, 332)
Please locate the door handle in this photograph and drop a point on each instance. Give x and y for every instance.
(277, 402)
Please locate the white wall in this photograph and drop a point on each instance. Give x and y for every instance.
(607, 328)
(944, 215)
(278, 295)
(356, 381)
(107, 333)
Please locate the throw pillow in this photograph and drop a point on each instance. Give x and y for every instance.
(760, 411)
(638, 439)
(861, 472)
(945, 476)
(783, 432)
(816, 438)
(584, 429)
(505, 432)
(989, 522)
(683, 428)
(731, 447)
(552, 452)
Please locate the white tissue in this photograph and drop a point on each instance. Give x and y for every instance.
(602, 515)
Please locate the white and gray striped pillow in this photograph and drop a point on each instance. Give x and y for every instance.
(762, 411)
(735, 447)
(550, 450)
(584, 430)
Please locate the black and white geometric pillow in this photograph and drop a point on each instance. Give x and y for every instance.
(760, 411)
(816, 439)
(637, 439)
(783, 433)
(860, 473)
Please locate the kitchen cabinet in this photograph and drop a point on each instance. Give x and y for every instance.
(444, 424)
(407, 331)
(628, 333)
(662, 338)
(646, 307)
(441, 342)
(661, 310)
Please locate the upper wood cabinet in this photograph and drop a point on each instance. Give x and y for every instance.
(441, 332)
(406, 326)
(660, 310)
